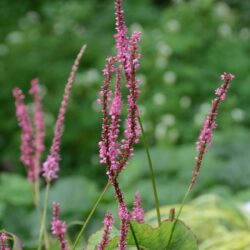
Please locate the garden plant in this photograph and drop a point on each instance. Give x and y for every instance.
(121, 129)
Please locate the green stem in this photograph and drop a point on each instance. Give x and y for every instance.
(157, 206)
(178, 215)
(43, 222)
(134, 236)
(90, 215)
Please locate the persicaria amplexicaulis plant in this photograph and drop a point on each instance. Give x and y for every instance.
(115, 148)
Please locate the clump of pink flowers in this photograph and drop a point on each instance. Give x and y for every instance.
(58, 227)
(115, 152)
(33, 130)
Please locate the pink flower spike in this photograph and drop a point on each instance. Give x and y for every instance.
(26, 135)
(58, 227)
(205, 139)
(39, 127)
(108, 224)
(54, 157)
(138, 212)
(3, 241)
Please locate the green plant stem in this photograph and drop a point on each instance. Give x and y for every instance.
(134, 236)
(43, 222)
(90, 215)
(36, 194)
(178, 215)
(157, 206)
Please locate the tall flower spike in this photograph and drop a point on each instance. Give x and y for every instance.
(108, 224)
(26, 135)
(205, 138)
(51, 165)
(39, 127)
(113, 152)
(58, 227)
(138, 212)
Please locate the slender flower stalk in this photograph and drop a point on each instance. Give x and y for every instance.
(114, 153)
(138, 212)
(108, 224)
(3, 242)
(51, 165)
(58, 227)
(205, 139)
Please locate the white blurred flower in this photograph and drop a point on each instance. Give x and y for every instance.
(169, 77)
(88, 78)
(205, 107)
(15, 37)
(163, 49)
(59, 28)
(221, 9)
(136, 27)
(173, 25)
(173, 134)
(168, 119)
(238, 115)
(185, 102)
(159, 99)
(224, 30)
(160, 131)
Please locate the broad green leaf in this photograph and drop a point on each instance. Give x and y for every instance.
(75, 194)
(150, 238)
(15, 190)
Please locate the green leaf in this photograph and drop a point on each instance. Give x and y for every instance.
(150, 238)
(15, 190)
(79, 191)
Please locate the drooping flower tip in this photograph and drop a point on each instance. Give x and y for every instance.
(50, 168)
(138, 212)
(227, 76)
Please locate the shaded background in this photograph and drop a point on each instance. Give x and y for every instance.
(186, 45)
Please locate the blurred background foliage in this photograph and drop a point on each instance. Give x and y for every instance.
(186, 45)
